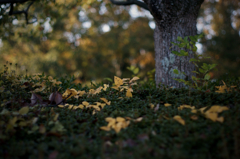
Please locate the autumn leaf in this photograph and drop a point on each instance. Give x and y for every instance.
(56, 97)
(129, 93)
(106, 101)
(118, 81)
(105, 128)
(35, 98)
(24, 110)
(69, 93)
(151, 105)
(167, 104)
(105, 86)
(185, 106)
(179, 119)
(134, 79)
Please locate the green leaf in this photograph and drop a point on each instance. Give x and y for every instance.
(207, 76)
(175, 71)
(176, 53)
(201, 70)
(179, 38)
(108, 79)
(186, 39)
(136, 70)
(193, 59)
(194, 48)
(196, 72)
(24, 110)
(183, 53)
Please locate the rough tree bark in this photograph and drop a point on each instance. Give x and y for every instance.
(173, 18)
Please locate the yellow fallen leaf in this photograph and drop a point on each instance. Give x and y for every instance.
(217, 109)
(179, 119)
(151, 105)
(91, 91)
(138, 119)
(81, 106)
(80, 93)
(105, 128)
(185, 106)
(115, 87)
(211, 116)
(167, 104)
(75, 107)
(24, 110)
(120, 119)
(118, 81)
(85, 103)
(61, 106)
(106, 101)
(67, 93)
(112, 123)
(134, 79)
(109, 119)
(70, 106)
(220, 119)
(105, 86)
(129, 94)
(117, 127)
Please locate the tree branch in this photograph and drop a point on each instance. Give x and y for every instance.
(12, 1)
(11, 12)
(130, 2)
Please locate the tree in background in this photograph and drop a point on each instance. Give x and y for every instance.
(173, 18)
(69, 39)
(222, 28)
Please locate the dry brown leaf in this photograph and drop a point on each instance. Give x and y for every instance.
(36, 98)
(56, 97)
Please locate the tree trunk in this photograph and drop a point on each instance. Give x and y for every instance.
(173, 19)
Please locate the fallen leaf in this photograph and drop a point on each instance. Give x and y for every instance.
(118, 81)
(138, 119)
(134, 79)
(23, 110)
(120, 119)
(167, 104)
(106, 101)
(151, 105)
(179, 119)
(56, 97)
(35, 98)
(129, 94)
(185, 106)
(105, 128)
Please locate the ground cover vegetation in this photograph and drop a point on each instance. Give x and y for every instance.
(44, 117)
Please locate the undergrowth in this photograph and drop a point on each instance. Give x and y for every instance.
(43, 117)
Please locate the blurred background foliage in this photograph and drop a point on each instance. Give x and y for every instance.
(93, 39)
